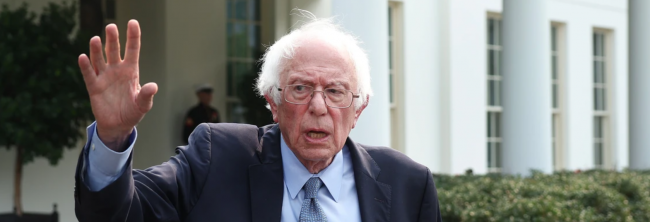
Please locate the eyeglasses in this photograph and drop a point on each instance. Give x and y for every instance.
(334, 97)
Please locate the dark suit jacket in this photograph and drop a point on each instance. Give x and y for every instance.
(233, 172)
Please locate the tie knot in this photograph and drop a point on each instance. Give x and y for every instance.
(312, 186)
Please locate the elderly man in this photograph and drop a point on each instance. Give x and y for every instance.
(304, 168)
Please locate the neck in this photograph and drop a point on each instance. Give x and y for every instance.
(315, 167)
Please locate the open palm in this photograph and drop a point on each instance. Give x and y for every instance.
(117, 99)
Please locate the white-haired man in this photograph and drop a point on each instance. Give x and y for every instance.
(304, 168)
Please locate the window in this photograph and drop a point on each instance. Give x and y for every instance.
(600, 99)
(494, 108)
(556, 124)
(395, 74)
(243, 51)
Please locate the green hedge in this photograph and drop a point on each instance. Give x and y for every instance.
(565, 196)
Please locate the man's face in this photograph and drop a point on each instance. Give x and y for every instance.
(205, 97)
(315, 131)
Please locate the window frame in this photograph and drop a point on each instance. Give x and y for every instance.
(605, 114)
(494, 142)
(557, 98)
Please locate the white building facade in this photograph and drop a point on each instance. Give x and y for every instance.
(487, 85)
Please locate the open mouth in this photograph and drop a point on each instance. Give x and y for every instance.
(316, 134)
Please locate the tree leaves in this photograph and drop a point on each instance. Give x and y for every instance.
(43, 101)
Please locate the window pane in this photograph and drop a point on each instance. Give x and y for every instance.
(240, 9)
(491, 32)
(237, 40)
(598, 133)
(553, 119)
(497, 32)
(391, 90)
(602, 72)
(555, 95)
(390, 21)
(230, 9)
(390, 54)
(492, 93)
(553, 38)
(497, 156)
(497, 92)
(595, 65)
(603, 97)
(497, 63)
(490, 155)
(253, 10)
(595, 42)
(554, 67)
(497, 124)
(598, 154)
(491, 67)
(601, 44)
(489, 124)
(254, 41)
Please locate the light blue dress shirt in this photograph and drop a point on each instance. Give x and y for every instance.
(338, 197)
(104, 165)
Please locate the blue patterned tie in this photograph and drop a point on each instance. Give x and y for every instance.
(311, 211)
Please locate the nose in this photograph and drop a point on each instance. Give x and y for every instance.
(317, 104)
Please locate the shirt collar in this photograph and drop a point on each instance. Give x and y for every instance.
(296, 175)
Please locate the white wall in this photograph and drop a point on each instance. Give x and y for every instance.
(466, 75)
(422, 87)
(42, 185)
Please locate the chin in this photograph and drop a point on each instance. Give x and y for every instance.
(319, 154)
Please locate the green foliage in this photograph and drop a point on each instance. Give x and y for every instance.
(563, 196)
(43, 99)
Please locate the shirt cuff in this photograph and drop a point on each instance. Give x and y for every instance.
(104, 164)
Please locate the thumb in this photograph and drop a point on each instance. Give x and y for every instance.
(145, 97)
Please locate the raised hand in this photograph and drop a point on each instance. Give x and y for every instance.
(116, 97)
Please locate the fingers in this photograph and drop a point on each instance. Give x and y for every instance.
(145, 97)
(112, 45)
(132, 53)
(96, 55)
(87, 70)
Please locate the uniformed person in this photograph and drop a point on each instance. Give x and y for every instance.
(201, 113)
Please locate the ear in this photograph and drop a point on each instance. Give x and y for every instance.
(274, 107)
(358, 111)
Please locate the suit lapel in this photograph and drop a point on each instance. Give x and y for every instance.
(266, 178)
(374, 196)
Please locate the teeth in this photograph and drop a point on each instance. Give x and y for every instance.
(316, 135)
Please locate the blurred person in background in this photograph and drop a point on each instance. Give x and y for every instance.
(201, 113)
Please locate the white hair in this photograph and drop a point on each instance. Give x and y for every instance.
(279, 54)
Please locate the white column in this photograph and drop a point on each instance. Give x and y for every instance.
(639, 47)
(526, 88)
(368, 20)
(422, 84)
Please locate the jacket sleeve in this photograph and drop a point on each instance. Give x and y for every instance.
(166, 192)
(429, 208)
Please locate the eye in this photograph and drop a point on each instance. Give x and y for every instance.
(299, 88)
(335, 91)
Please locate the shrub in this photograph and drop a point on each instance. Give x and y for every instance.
(564, 196)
